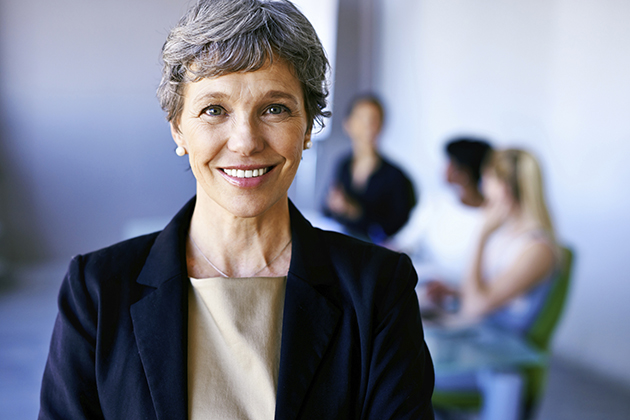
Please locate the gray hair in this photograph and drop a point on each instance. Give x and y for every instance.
(217, 37)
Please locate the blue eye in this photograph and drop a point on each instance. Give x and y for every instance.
(277, 109)
(213, 110)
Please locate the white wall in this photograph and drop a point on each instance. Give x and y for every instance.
(84, 143)
(549, 75)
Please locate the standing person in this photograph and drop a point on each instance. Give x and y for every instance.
(239, 308)
(371, 197)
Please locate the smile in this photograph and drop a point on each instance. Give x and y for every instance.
(249, 173)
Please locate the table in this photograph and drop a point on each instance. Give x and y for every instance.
(492, 354)
(467, 349)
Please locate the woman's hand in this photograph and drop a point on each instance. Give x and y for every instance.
(339, 203)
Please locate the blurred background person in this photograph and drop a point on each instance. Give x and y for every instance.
(510, 273)
(516, 252)
(443, 231)
(463, 171)
(370, 197)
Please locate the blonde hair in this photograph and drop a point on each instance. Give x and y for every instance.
(521, 172)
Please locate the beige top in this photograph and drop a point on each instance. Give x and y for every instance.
(234, 332)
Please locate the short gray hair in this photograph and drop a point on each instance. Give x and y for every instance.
(217, 37)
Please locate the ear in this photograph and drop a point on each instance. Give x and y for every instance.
(307, 136)
(178, 138)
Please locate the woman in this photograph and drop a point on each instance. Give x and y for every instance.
(510, 274)
(371, 197)
(239, 308)
(516, 253)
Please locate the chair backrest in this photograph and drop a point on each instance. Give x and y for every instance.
(542, 330)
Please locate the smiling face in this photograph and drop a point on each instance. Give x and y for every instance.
(245, 133)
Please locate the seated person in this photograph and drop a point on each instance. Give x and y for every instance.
(465, 156)
(441, 234)
(516, 253)
(371, 197)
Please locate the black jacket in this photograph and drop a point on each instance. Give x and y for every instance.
(352, 340)
(386, 201)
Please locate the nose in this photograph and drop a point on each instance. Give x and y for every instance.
(246, 137)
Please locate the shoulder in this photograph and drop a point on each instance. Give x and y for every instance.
(541, 250)
(534, 251)
(393, 171)
(102, 271)
(346, 251)
(119, 256)
(368, 272)
(348, 270)
(537, 241)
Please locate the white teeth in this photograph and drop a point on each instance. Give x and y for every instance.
(239, 173)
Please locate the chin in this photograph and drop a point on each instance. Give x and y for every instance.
(249, 208)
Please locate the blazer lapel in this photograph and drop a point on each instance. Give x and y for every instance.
(309, 319)
(160, 319)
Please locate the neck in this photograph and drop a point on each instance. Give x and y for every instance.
(238, 246)
(471, 197)
(520, 220)
(365, 154)
(363, 166)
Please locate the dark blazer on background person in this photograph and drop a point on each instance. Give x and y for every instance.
(352, 340)
(386, 200)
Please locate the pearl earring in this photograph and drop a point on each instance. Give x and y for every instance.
(308, 144)
(180, 151)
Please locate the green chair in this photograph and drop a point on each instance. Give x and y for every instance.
(539, 336)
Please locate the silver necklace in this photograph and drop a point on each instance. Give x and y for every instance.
(225, 275)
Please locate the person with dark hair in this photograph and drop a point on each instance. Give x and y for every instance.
(516, 252)
(511, 271)
(240, 308)
(442, 233)
(466, 155)
(371, 197)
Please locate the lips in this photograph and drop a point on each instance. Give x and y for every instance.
(246, 173)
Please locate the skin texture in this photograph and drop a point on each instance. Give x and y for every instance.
(480, 296)
(246, 121)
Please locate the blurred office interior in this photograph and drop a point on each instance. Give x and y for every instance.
(86, 156)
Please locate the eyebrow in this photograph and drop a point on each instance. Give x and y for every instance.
(278, 94)
(208, 96)
(218, 96)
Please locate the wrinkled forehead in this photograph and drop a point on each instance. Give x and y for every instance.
(272, 82)
(204, 67)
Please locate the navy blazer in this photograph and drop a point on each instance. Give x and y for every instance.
(352, 340)
(386, 200)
